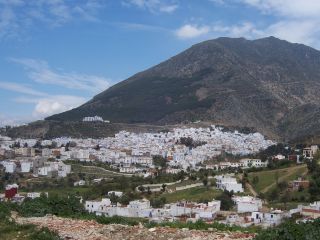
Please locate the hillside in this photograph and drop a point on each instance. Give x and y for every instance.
(267, 84)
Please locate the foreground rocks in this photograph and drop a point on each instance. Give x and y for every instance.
(91, 230)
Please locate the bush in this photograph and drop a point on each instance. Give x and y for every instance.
(292, 231)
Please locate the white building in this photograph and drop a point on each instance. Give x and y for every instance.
(279, 157)
(128, 169)
(95, 206)
(79, 183)
(273, 218)
(63, 169)
(10, 167)
(228, 183)
(46, 152)
(92, 119)
(44, 171)
(312, 211)
(25, 166)
(33, 195)
(116, 193)
(199, 210)
(257, 163)
(247, 204)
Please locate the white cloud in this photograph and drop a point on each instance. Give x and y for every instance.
(39, 71)
(6, 120)
(220, 2)
(45, 104)
(288, 8)
(168, 8)
(153, 6)
(246, 29)
(140, 27)
(299, 21)
(56, 104)
(43, 107)
(191, 31)
(296, 31)
(16, 16)
(20, 88)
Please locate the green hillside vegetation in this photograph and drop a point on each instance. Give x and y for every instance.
(268, 179)
(9, 230)
(292, 231)
(197, 194)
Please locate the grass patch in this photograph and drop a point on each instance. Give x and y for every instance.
(268, 178)
(193, 194)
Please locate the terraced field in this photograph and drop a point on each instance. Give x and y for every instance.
(193, 194)
(97, 171)
(268, 179)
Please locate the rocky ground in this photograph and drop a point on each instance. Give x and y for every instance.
(91, 230)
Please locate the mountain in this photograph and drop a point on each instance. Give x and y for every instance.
(267, 84)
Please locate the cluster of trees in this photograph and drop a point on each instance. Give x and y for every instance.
(10, 230)
(274, 150)
(226, 200)
(314, 172)
(189, 142)
(65, 206)
(159, 161)
(291, 231)
(158, 202)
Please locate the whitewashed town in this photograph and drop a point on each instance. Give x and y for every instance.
(184, 150)
(132, 153)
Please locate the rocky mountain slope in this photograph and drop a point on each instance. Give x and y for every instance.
(267, 84)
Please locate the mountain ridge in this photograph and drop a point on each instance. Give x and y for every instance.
(231, 81)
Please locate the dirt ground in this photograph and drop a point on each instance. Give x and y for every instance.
(91, 230)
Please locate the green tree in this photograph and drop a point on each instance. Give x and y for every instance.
(255, 180)
(205, 182)
(226, 201)
(159, 161)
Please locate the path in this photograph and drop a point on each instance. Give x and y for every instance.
(105, 170)
(283, 177)
(251, 189)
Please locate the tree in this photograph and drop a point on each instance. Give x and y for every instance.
(274, 194)
(205, 182)
(158, 202)
(255, 180)
(285, 198)
(37, 145)
(282, 185)
(54, 144)
(226, 201)
(67, 147)
(314, 171)
(163, 188)
(141, 188)
(159, 161)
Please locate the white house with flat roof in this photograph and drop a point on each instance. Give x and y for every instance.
(95, 206)
(247, 204)
(228, 183)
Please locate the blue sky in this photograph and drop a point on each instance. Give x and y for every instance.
(57, 54)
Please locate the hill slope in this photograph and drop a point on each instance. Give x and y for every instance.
(268, 84)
